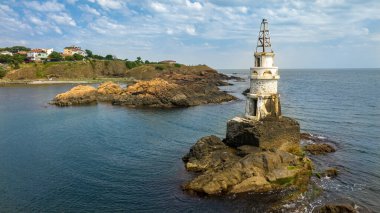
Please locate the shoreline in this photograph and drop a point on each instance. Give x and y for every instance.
(68, 81)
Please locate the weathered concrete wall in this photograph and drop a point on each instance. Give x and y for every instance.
(263, 106)
(258, 72)
(263, 87)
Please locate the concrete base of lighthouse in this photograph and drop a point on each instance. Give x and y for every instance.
(260, 106)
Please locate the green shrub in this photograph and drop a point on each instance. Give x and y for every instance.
(159, 68)
(40, 73)
(131, 64)
(3, 72)
(177, 65)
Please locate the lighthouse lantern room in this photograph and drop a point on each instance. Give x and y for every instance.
(263, 99)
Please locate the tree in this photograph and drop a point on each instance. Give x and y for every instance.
(109, 57)
(6, 59)
(69, 58)
(139, 60)
(55, 56)
(15, 49)
(89, 53)
(78, 57)
(19, 58)
(130, 64)
(99, 57)
(147, 62)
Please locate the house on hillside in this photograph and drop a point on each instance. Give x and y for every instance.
(22, 53)
(69, 51)
(167, 62)
(6, 53)
(38, 54)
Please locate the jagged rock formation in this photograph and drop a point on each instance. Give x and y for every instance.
(77, 96)
(319, 149)
(154, 93)
(170, 87)
(247, 162)
(336, 208)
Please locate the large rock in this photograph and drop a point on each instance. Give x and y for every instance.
(319, 148)
(208, 153)
(163, 93)
(336, 208)
(247, 169)
(108, 91)
(282, 133)
(157, 92)
(76, 96)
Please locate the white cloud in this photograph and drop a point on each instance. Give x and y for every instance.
(170, 31)
(71, 1)
(194, 5)
(49, 6)
(158, 7)
(5, 9)
(104, 25)
(36, 20)
(89, 9)
(63, 18)
(190, 30)
(328, 3)
(111, 4)
(243, 9)
(57, 30)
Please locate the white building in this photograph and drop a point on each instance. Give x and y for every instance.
(263, 99)
(6, 53)
(69, 51)
(39, 54)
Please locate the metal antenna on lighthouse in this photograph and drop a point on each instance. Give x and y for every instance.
(263, 42)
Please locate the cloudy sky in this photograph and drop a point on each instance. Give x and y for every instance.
(220, 33)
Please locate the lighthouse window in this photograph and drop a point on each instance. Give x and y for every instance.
(254, 107)
(267, 73)
(258, 62)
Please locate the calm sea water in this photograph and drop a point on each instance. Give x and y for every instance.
(108, 158)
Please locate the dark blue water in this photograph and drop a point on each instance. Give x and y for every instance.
(110, 158)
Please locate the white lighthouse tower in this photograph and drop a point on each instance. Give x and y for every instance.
(263, 99)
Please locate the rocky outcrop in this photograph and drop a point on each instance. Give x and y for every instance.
(182, 88)
(109, 91)
(163, 93)
(330, 172)
(247, 162)
(319, 148)
(317, 145)
(336, 208)
(271, 133)
(76, 96)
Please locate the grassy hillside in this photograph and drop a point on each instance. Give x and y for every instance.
(69, 70)
(93, 69)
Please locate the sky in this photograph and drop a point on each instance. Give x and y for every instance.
(219, 33)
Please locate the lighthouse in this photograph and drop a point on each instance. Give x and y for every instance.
(263, 99)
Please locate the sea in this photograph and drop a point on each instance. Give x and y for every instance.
(105, 158)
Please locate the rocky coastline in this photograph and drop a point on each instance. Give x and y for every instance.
(263, 157)
(181, 87)
(248, 160)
